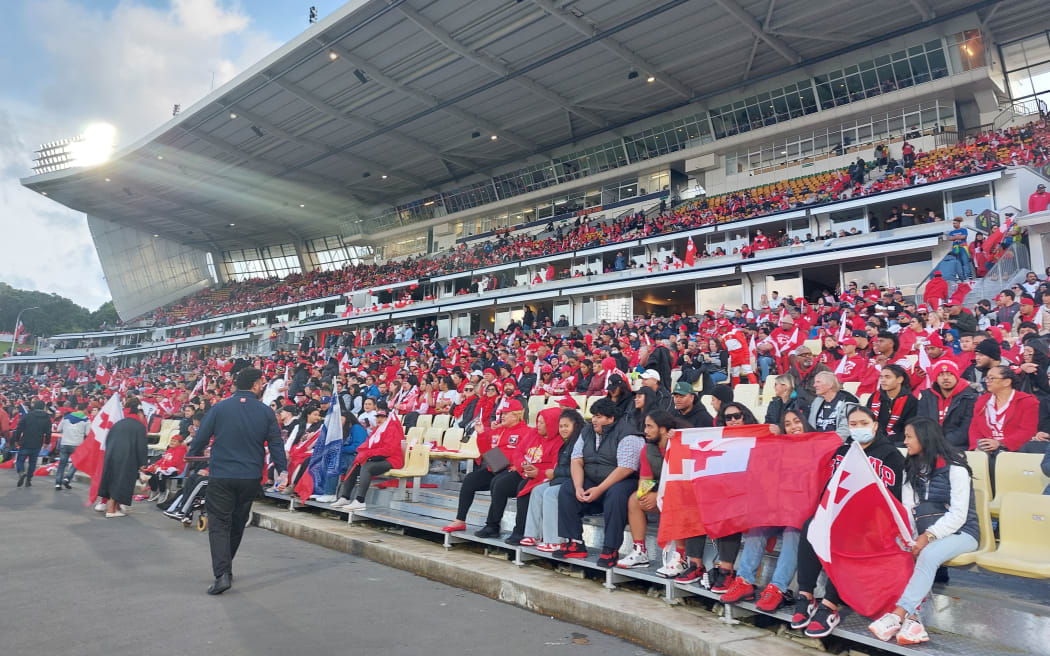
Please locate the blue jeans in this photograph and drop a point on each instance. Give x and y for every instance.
(63, 459)
(755, 546)
(765, 366)
(963, 258)
(24, 455)
(718, 376)
(933, 556)
(541, 521)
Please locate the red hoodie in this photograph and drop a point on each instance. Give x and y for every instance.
(1014, 428)
(541, 451)
(507, 439)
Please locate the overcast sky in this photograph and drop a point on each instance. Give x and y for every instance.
(69, 63)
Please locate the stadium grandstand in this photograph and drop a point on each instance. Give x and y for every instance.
(548, 191)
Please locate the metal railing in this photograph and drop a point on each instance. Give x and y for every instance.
(1013, 261)
(1021, 108)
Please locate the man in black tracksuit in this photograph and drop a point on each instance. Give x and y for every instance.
(820, 619)
(32, 433)
(243, 428)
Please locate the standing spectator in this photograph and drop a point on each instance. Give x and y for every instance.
(74, 428)
(126, 452)
(243, 429)
(1039, 201)
(958, 236)
(32, 433)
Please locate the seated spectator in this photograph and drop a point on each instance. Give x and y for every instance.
(380, 453)
(605, 464)
(169, 465)
(657, 430)
(829, 409)
(785, 399)
(541, 516)
(820, 619)
(754, 545)
(538, 455)
(504, 480)
(949, 402)
(688, 407)
(937, 491)
(893, 405)
(1004, 419)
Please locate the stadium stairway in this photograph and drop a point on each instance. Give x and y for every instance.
(978, 613)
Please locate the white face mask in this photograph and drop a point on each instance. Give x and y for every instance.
(862, 434)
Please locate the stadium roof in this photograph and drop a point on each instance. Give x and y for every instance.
(379, 102)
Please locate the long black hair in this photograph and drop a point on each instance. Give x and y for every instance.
(934, 447)
(806, 426)
(578, 422)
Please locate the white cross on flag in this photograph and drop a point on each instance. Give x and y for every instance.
(91, 453)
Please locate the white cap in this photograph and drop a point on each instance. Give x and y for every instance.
(650, 373)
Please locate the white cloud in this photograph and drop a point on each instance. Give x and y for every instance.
(126, 67)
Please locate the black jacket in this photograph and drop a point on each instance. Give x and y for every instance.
(661, 360)
(885, 459)
(776, 409)
(242, 427)
(908, 410)
(956, 425)
(34, 430)
(698, 417)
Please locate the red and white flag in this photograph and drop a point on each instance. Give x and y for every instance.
(90, 454)
(861, 535)
(744, 476)
(201, 385)
(20, 333)
(101, 376)
(690, 252)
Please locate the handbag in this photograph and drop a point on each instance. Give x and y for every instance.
(495, 460)
(923, 522)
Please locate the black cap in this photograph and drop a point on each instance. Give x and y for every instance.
(860, 333)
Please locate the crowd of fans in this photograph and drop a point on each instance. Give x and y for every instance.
(937, 378)
(987, 151)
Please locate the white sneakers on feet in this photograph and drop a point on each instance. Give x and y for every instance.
(340, 503)
(637, 558)
(100, 507)
(327, 498)
(912, 632)
(355, 505)
(674, 564)
(885, 627)
(111, 515)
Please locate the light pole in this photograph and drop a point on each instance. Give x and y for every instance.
(18, 320)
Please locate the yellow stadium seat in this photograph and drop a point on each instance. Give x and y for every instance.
(581, 401)
(590, 402)
(984, 519)
(417, 465)
(978, 461)
(536, 403)
(441, 421)
(1017, 472)
(863, 398)
(467, 450)
(433, 435)
(814, 345)
(452, 438)
(415, 434)
(746, 394)
(1024, 537)
(769, 388)
(425, 421)
(851, 387)
(168, 429)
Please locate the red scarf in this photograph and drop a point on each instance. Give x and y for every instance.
(895, 411)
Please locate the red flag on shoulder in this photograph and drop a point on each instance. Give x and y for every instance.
(744, 476)
(861, 535)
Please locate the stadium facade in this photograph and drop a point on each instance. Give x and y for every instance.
(391, 130)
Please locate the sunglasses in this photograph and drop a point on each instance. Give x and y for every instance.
(468, 389)
(734, 416)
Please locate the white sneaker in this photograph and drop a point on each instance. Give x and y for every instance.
(674, 564)
(100, 507)
(313, 497)
(885, 627)
(355, 505)
(340, 503)
(111, 515)
(327, 498)
(637, 558)
(912, 633)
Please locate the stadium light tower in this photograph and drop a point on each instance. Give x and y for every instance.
(95, 146)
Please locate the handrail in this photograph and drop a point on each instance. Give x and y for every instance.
(1019, 108)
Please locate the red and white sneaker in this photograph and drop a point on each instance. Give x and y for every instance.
(770, 599)
(741, 590)
(804, 611)
(912, 632)
(721, 580)
(885, 627)
(528, 542)
(548, 547)
(573, 549)
(823, 623)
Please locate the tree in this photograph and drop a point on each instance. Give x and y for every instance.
(56, 315)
